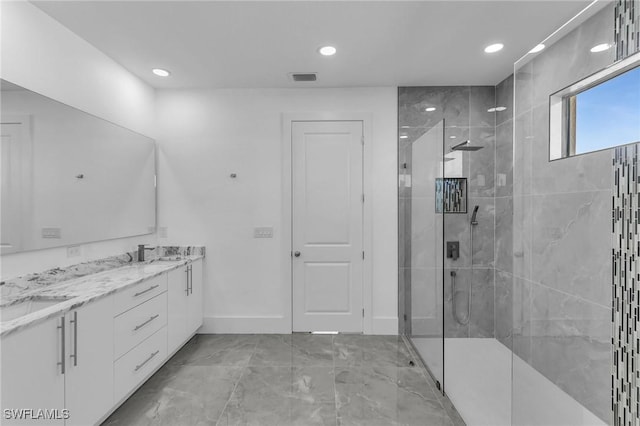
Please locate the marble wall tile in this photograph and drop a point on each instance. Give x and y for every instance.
(456, 326)
(523, 89)
(589, 172)
(571, 343)
(483, 232)
(482, 162)
(521, 308)
(457, 228)
(522, 154)
(504, 159)
(504, 98)
(451, 103)
(424, 226)
(569, 60)
(481, 323)
(481, 99)
(503, 307)
(504, 234)
(522, 236)
(568, 249)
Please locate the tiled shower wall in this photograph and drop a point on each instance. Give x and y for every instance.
(561, 265)
(465, 111)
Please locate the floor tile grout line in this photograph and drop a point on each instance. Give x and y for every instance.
(335, 388)
(244, 369)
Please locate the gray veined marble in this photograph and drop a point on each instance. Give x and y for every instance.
(368, 382)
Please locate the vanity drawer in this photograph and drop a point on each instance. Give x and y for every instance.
(135, 366)
(135, 325)
(139, 293)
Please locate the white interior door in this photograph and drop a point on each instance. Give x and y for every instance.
(327, 225)
(15, 164)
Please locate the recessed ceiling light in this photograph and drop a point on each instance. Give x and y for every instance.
(600, 47)
(430, 109)
(452, 137)
(499, 109)
(538, 48)
(327, 50)
(404, 137)
(160, 72)
(493, 48)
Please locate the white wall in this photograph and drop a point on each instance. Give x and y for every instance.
(40, 54)
(205, 135)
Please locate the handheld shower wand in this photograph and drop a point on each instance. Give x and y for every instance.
(474, 220)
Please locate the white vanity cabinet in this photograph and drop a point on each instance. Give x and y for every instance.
(89, 370)
(65, 362)
(31, 373)
(185, 307)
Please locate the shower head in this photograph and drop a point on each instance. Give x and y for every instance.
(465, 146)
(474, 220)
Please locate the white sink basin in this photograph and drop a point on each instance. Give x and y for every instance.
(17, 310)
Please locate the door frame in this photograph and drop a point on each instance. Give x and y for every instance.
(367, 213)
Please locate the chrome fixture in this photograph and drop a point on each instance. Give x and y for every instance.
(466, 146)
(141, 250)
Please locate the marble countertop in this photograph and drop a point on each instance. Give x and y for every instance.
(76, 292)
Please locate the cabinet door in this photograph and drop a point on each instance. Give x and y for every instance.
(196, 299)
(31, 375)
(177, 308)
(89, 376)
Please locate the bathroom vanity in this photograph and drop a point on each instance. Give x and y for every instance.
(86, 344)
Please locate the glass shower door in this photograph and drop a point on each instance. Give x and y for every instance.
(424, 226)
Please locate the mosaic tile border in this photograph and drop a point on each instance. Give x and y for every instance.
(627, 28)
(625, 396)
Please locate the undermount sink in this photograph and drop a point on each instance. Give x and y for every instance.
(20, 309)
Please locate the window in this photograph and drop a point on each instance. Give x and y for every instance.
(600, 112)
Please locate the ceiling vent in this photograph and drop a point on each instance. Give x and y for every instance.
(304, 76)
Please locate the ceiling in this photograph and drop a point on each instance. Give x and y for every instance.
(247, 44)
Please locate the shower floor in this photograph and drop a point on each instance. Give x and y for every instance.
(478, 382)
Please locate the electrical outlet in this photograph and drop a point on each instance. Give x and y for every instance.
(73, 251)
(51, 233)
(263, 232)
(502, 179)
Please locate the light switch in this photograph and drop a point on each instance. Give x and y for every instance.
(263, 232)
(51, 233)
(502, 179)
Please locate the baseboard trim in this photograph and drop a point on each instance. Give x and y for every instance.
(245, 325)
(384, 325)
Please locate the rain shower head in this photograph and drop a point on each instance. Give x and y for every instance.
(465, 146)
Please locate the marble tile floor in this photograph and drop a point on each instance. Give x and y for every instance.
(297, 379)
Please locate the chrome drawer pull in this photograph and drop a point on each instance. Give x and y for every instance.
(138, 327)
(138, 367)
(147, 290)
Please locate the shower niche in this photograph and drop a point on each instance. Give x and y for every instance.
(451, 195)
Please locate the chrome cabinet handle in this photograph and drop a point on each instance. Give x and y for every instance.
(138, 327)
(187, 271)
(62, 362)
(191, 279)
(296, 254)
(74, 355)
(147, 290)
(139, 366)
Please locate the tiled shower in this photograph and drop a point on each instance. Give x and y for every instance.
(534, 275)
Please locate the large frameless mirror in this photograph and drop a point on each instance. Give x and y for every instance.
(69, 177)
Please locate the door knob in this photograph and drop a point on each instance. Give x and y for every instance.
(296, 254)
